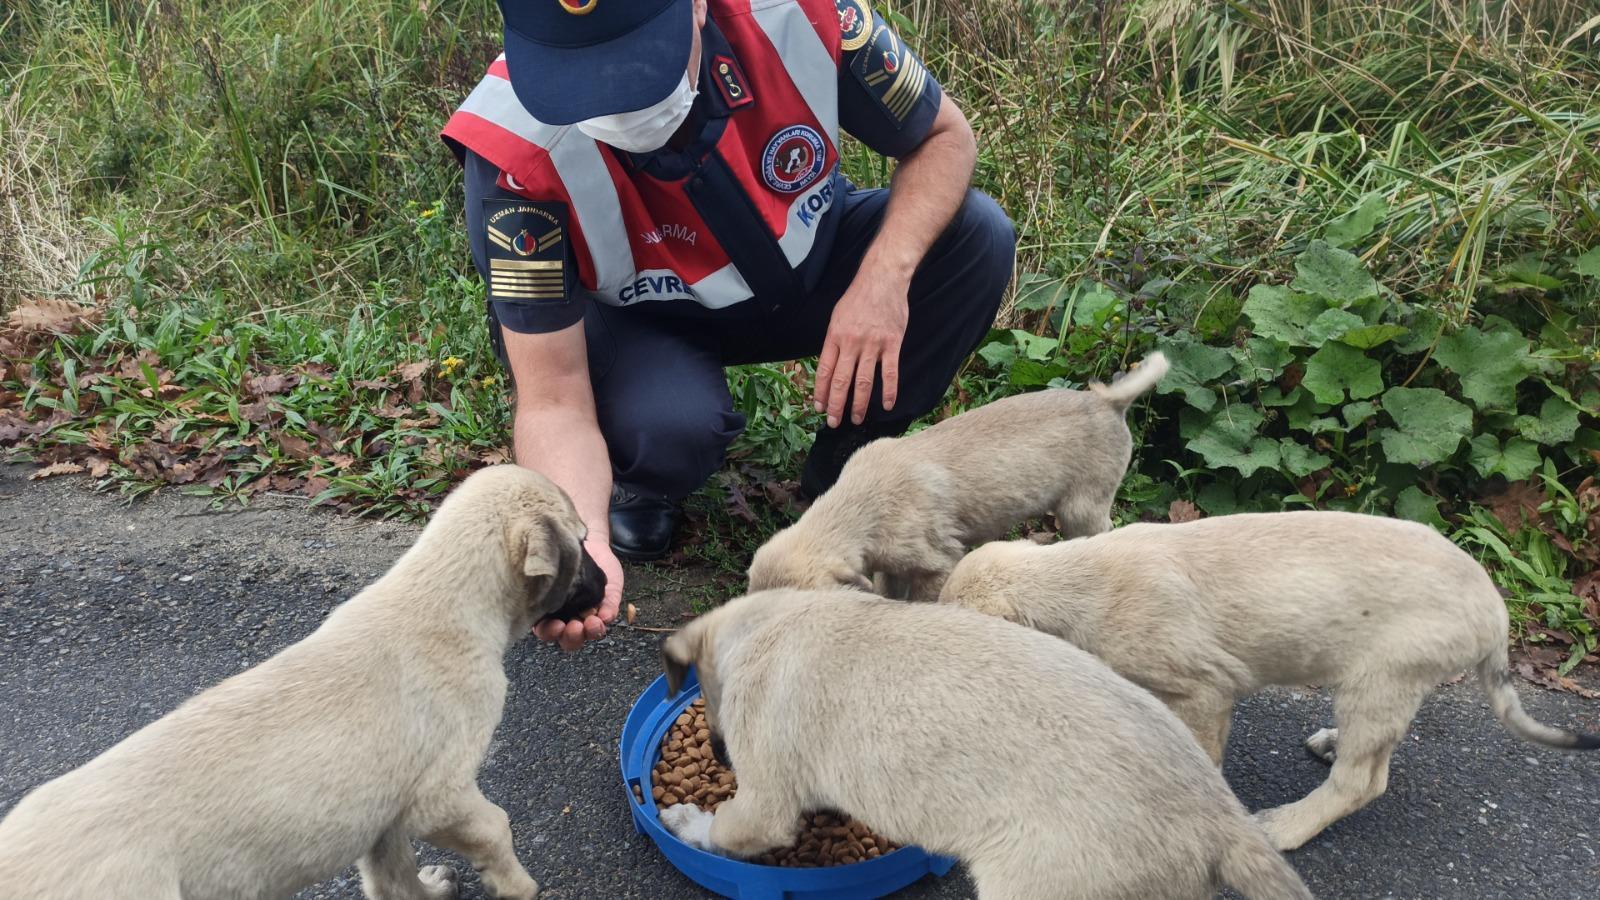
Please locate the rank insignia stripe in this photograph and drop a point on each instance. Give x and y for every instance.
(528, 295)
(731, 83)
(524, 242)
(502, 280)
(527, 274)
(891, 73)
(525, 264)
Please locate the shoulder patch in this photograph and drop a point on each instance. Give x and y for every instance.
(527, 243)
(855, 24)
(891, 73)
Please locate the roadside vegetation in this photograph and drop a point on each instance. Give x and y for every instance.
(1367, 235)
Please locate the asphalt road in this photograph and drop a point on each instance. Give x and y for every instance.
(111, 615)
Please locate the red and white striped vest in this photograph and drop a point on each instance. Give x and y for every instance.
(637, 238)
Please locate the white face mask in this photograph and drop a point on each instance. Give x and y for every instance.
(644, 130)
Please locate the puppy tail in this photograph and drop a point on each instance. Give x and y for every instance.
(1251, 867)
(1494, 672)
(1122, 392)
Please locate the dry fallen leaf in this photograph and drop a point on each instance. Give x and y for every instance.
(429, 421)
(1538, 663)
(1518, 503)
(318, 370)
(46, 314)
(277, 383)
(132, 367)
(60, 468)
(739, 506)
(259, 411)
(12, 427)
(411, 371)
(297, 447)
(1183, 511)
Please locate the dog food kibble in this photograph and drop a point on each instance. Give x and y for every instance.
(689, 772)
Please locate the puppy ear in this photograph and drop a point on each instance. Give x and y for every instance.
(535, 548)
(542, 551)
(678, 652)
(851, 578)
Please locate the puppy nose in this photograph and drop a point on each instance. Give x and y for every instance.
(591, 582)
(719, 750)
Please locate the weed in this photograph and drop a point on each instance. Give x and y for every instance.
(1363, 230)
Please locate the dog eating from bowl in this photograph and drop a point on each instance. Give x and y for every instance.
(1042, 770)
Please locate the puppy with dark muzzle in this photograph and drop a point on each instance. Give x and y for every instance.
(588, 589)
(342, 747)
(1047, 774)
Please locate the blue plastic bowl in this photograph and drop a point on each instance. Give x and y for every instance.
(648, 722)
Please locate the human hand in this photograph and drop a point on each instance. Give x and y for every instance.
(572, 634)
(865, 332)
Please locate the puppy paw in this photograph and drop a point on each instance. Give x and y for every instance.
(1324, 745)
(1283, 831)
(690, 824)
(439, 882)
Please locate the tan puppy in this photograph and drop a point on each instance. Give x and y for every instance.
(342, 747)
(1028, 759)
(909, 507)
(1380, 610)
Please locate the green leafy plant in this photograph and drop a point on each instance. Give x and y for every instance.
(1531, 559)
(1363, 232)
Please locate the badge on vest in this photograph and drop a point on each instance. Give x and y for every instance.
(891, 73)
(527, 250)
(731, 82)
(794, 158)
(855, 24)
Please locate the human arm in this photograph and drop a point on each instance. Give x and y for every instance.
(538, 314)
(555, 432)
(869, 321)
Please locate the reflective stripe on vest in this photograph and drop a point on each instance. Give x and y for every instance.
(561, 163)
(578, 164)
(812, 69)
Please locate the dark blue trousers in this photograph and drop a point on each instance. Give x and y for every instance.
(660, 391)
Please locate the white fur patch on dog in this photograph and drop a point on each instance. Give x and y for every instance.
(690, 824)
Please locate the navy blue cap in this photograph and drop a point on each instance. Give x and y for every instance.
(571, 60)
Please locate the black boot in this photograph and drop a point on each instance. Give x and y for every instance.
(641, 527)
(834, 447)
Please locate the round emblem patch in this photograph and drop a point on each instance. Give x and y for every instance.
(855, 24)
(793, 159)
(578, 7)
(523, 243)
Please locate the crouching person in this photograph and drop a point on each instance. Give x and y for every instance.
(654, 194)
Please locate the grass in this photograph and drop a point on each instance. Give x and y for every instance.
(253, 196)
